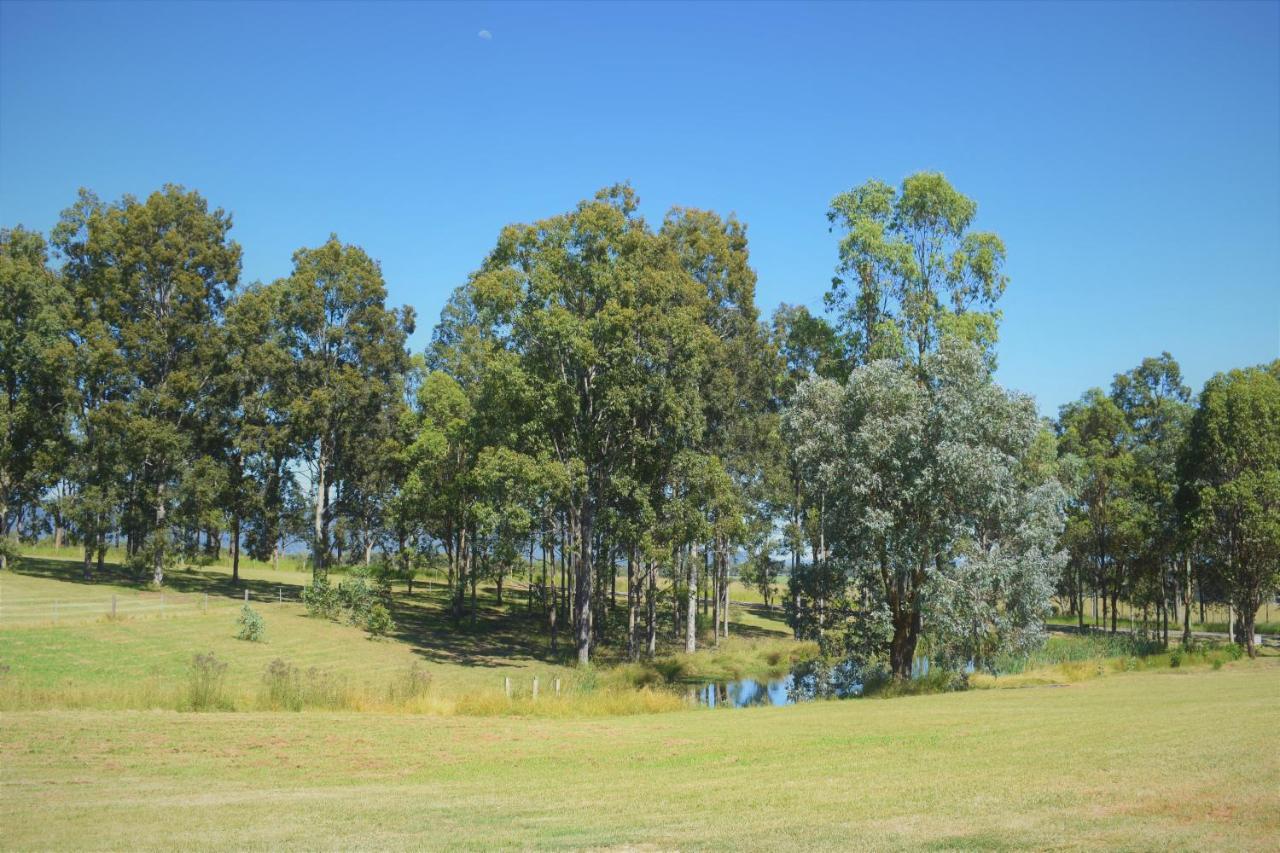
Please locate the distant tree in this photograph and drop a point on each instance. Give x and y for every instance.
(348, 355)
(1101, 530)
(36, 371)
(604, 326)
(1155, 404)
(935, 514)
(150, 279)
(1232, 486)
(926, 502)
(912, 271)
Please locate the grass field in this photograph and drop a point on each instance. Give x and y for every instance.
(60, 648)
(1100, 748)
(1176, 760)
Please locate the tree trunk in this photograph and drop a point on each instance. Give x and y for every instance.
(158, 564)
(651, 614)
(691, 610)
(902, 649)
(724, 588)
(1080, 593)
(715, 592)
(320, 546)
(631, 605)
(584, 581)
(554, 608)
(1186, 605)
(235, 550)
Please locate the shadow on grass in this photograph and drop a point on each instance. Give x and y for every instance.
(184, 580)
(498, 635)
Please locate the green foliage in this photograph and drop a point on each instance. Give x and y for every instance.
(358, 599)
(378, 621)
(250, 625)
(911, 271)
(321, 599)
(1231, 485)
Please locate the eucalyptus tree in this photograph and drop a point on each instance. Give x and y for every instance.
(150, 279)
(808, 346)
(596, 307)
(348, 355)
(1156, 406)
(1232, 486)
(816, 595)
(933, 513)
(1103, 518)
(438, 463)
(36, 367)
(739, 424)
(256, 448)
(912, 270)
(927, 506)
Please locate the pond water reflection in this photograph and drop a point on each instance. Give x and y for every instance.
(788, 690)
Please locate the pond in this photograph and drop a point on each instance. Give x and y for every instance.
(788, 690)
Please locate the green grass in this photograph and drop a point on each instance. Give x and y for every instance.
(1267, 619)
(98, 748)
(1153, 760)
(61, 649)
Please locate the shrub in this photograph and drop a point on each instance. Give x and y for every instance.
(351, 601)
(205, 688)
(9, 549)
(1175, 659)
(378, 620)
(321, 600)
(252, 626)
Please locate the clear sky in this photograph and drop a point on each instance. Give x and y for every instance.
(1128, 154)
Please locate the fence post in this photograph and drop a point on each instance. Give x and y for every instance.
(535, 688)
(506, 685)
(113, 607)
(246, 595)
(557, 687)
(280, 595)
(204, 605)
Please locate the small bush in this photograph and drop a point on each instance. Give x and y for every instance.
(321, 600)
(9, 549)
(378, 620)
(252, 626)
(205, 688)
(1217, 663)
(1175, 659)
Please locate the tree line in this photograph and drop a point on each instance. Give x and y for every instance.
(600, 400)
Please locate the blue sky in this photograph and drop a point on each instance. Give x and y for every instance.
(1129, 154)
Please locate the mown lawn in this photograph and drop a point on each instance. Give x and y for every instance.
(1175, 759)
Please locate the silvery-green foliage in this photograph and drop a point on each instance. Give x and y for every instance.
(930, 505)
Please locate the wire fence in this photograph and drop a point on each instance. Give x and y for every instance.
(38, 610)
